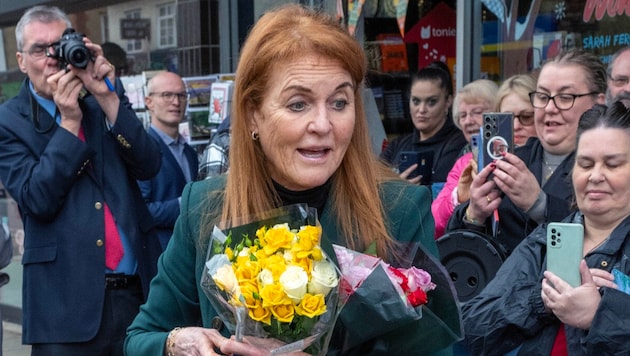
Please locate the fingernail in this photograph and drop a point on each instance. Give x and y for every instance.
(493, 166)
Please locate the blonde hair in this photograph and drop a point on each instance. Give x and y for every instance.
(519, 84)
(480, 91)
(279, 36)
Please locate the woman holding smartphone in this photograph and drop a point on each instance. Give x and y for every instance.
(535, 312)
(470, 103)
(530, 186)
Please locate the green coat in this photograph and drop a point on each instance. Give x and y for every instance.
(176, 298)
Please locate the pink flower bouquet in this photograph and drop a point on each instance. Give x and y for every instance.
(396, 306)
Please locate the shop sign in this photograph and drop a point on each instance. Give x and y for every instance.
(435, 35)
(135, 29)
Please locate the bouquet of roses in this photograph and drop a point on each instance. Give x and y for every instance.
(271, 280)
(411, 284)
(409, 309)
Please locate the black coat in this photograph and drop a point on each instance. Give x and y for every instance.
(509, 312)
(515, 224)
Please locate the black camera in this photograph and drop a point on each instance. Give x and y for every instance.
(70, 49)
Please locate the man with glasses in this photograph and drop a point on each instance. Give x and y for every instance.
(166, 103)
(619, 77)
(71, 150)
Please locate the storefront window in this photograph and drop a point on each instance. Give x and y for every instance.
(518, 39)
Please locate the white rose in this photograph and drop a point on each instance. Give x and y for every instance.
(293, 281)
(323, 278)
(226, 279)
(265, 277)
(244, 252)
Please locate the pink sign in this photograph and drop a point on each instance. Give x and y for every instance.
(435, 35)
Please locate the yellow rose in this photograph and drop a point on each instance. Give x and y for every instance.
(250, 295)
(283, 312)
(229, 253)
(243, 256)
(247, 271)
(273, 294)
(274, 263)
(310, 233)
(311, 305)
(279, 236)
(323, 278)
(294, 281)
(226, 279)
(305, 263)
(258, 313)
(307, 244)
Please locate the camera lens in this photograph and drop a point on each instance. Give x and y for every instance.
(78, 56)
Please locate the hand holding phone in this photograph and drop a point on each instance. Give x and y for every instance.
(424, 160)
(497, 137)
(565, 244)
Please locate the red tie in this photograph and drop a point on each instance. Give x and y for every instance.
(114, 250)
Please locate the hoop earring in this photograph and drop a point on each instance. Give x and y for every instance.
(255, 136)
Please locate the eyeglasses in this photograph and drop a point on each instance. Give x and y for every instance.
(561, 101)
(619, 81)
(38, 50)
(526, 118)
(169, 95)
(474, 114)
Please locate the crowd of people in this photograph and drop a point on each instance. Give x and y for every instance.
(109, 207)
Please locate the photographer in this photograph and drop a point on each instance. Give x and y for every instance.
(71, 150)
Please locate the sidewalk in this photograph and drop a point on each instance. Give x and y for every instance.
(12, 341)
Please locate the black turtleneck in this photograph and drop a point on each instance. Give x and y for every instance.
(314, 197)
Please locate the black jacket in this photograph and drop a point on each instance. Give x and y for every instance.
(515, 224)
(509, 312)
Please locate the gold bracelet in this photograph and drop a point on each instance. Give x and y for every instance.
(170, 341)
(469, 220)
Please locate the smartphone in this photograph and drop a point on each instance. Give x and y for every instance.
(565, 244)
(497, 136)
(475, 143)
(425, 165)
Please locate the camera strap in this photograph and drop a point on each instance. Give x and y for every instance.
(35, 107)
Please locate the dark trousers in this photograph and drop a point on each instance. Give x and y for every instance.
(120, 308)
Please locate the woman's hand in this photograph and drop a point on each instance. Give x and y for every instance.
(484, 195)
(465, 180)
(408, 171)
(603, 278)
(573, 306)
(516, 180)
(202, 341)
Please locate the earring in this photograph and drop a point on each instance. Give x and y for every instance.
(254, 136)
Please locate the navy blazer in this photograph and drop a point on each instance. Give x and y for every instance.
(59, 183)
(162, 192)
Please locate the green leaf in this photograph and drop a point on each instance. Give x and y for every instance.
(371, 249)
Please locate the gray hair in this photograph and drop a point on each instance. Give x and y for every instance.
(41, 13)
(613, 58)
